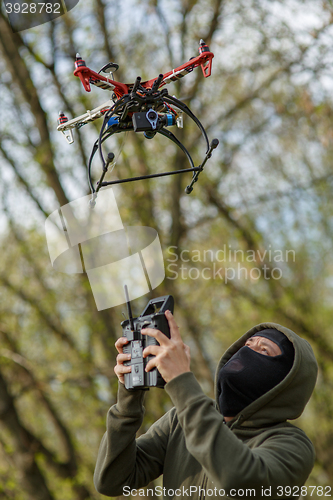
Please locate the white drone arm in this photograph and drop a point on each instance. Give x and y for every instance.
(90, 115)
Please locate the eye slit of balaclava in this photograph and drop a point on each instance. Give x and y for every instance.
(249, 374)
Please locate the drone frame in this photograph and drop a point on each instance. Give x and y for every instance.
(140, 106)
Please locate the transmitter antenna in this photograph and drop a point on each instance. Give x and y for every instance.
(129, 310)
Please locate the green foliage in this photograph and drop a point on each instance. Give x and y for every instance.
(251, 244)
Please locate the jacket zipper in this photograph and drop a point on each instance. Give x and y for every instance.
(238, 422)
(203, 486)
(205, 478)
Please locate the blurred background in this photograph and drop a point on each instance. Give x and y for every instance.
(252, 243)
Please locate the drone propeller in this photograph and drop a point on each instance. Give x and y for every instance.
(110, 67)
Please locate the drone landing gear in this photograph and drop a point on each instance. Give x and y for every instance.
(196, 172)
(213, 145)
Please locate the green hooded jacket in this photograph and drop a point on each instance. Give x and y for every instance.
(258, 454)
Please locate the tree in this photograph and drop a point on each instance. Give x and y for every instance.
(254, 237)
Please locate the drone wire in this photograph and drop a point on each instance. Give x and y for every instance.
(187, 111)
(106, 118)
(93, 152)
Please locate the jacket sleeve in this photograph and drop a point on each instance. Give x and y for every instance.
(122, 460)
(283, 459)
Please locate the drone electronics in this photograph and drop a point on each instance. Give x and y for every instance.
(141, 107)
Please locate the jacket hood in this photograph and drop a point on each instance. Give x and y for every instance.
(287, 400)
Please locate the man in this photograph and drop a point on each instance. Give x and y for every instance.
(241, 445)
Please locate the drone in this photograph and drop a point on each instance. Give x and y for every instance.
(140, 107)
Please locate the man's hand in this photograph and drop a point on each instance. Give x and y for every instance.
(172, 356)
(120, 368)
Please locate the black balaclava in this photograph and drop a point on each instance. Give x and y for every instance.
(248, 374)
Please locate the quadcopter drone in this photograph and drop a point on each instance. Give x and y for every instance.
(140, 107)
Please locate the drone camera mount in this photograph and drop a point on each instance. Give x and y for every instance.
(145, 121)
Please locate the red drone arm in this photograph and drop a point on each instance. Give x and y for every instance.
(205, 56)
(88, 76)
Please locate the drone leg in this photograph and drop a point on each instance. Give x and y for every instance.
(213, 145)
(92, 202)
(110, 159)
(68, 135)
